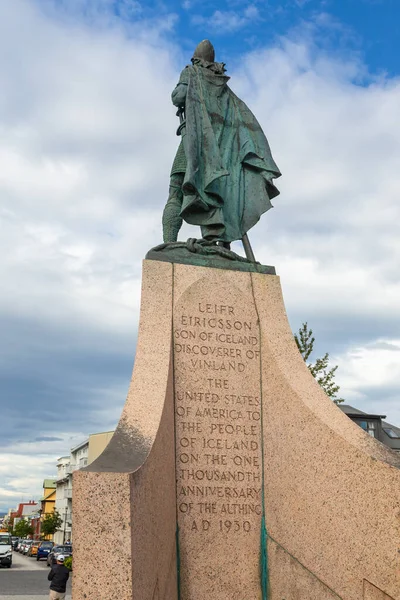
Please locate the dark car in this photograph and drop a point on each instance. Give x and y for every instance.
(65, 550)
(15, 542)
(44, 550)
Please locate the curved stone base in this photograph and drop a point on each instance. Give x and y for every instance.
(228, 428)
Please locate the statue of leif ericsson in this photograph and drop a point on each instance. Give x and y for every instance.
(223, 172)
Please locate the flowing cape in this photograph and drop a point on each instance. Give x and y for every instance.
(228, 180)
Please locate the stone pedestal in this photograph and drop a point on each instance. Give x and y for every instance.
(231, 475)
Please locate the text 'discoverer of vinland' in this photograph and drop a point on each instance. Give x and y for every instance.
(218, 419)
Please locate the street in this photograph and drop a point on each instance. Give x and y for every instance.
(26, 580)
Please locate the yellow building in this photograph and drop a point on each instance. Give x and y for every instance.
(97, 443)
(48, 501)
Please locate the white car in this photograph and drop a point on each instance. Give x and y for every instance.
(21, 546)
(27, 545)
(5, 550)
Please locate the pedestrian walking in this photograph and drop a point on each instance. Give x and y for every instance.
(58, 576)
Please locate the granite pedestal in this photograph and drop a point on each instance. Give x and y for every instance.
(231, 475)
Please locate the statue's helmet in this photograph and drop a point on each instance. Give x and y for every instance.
(205, 50)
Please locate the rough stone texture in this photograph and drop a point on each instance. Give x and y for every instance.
(102, 517)
(332, 493)
(218, 434)
(289, 579)
(373, 593)
(124, 502)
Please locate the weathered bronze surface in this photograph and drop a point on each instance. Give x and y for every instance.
(206, 254)
(223, 172)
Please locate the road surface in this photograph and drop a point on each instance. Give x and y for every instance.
(26, 580)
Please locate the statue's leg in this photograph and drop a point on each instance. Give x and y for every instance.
(171, 220)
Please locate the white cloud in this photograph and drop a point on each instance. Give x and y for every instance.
(252, 12)
(227, 21)
(78, 156)
(337, 145)
(373, 369)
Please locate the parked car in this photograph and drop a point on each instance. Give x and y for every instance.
(65, 550)
(5, 550)
(14, 542)
(27, 545)
(21, 547)
(44, 549)
(32, 550)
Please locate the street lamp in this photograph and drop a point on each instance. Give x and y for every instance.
(65, 523)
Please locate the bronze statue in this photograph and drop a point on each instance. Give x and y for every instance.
(222, 175)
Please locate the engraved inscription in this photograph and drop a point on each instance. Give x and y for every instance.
(218, 419)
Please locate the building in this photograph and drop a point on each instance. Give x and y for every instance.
(375, 426)
(81, 455)
(63, 494)
(97, 443)
(49, 496)
(66, 465)
(48, 499)
(26, 510)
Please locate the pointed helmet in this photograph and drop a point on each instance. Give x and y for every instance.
(205, 50)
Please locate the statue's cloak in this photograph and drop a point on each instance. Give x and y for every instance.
(228, 179)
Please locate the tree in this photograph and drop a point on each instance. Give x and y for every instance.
(8, 524)
(23, 528)
(324, 375)
(51, 523)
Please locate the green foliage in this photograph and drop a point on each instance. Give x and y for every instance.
(51, 523)
(8, 524)
(320, 370)
(23, 528)
(68, 562)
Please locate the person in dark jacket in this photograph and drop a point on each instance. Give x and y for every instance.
(58, 576)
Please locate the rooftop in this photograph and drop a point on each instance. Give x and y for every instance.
(392, 431)
(81, 445)
(50, 483)
(350, 410)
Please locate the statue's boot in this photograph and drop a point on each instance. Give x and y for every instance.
(171, 219)
(226, 245)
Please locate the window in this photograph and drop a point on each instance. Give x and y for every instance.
(368, 426)
(391, 433)
(5, 539)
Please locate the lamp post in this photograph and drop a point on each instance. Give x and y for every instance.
(65, 522)
(39, 524)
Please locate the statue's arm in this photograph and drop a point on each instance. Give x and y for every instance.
(178, 96)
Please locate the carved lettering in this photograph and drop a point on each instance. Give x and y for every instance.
(218, 419)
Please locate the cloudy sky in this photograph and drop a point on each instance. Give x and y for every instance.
(87, 136)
